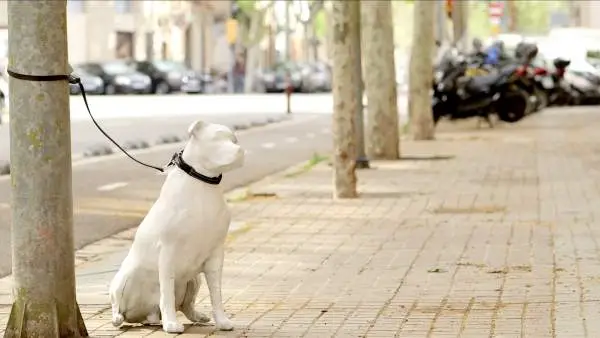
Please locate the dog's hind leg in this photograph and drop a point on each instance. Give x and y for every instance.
(166, 279)
(117, 287)
(153, 318)
(187, 307)
(212, 270)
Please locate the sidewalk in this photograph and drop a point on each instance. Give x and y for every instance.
(484, 233)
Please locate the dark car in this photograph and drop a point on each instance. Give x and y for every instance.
(91, 83)
(119, 77)
(274, 79)
(171, 76)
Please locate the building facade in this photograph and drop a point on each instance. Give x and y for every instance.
(100, 30)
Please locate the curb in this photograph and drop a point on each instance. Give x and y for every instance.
(137, 144)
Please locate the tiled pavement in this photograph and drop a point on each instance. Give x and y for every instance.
(497, 240)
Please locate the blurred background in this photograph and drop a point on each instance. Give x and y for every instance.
(246, 46)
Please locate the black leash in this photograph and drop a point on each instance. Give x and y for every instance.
(177, 158)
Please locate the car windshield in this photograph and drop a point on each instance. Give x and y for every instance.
(116, 67)
(167, 66)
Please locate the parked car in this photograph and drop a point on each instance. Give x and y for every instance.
(316, 77)
(119, 77)
(92, 84)
(172, 76)
(274, 79)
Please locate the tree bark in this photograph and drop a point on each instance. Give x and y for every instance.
(344, 16)
(421, 72)
(42, 204)
(459, 23)
(383, 134)
(513, 14)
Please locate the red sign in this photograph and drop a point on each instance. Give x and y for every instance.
(496, 9)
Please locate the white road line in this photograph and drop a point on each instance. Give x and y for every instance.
(268, 145)
(112, 186)
(310, 135)
(291, 139)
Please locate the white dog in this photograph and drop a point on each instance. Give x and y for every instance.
(182, 235)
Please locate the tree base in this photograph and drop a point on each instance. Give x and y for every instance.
(45, 320)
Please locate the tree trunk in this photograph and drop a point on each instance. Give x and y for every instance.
(459, 23)
(253, 49)
(344, 15)
(383, 139)
(40, 153)
(421, 71)
(306, 42)
(513, 16)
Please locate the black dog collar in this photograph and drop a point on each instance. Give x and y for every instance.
(181, 164)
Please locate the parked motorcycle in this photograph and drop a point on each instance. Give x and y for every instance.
(559, 91)
(458, 96)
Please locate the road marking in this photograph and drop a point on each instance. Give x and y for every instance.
(291, 139)
(268, 145)
(112, 186)
(310, 135)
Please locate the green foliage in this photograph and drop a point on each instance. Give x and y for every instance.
(247, 6)
(320, 24)
(534, 15)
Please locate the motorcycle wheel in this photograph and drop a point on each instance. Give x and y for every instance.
(437, 112)
(541, 99)
(513, 106)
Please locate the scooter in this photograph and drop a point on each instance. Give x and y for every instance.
(457, 96)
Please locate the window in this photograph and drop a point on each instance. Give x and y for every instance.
(123, 6)
(75, 6)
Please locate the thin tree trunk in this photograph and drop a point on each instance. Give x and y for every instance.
(383, 134)
(306, 42)
(459, 23)
(513, 16)
(421, 71)
(344, 15)
(252, 51)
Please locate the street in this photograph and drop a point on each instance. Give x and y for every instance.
(112, 193)
(148, 117)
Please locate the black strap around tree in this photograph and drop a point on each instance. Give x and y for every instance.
(73, 79)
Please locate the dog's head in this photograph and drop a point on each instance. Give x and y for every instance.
(213, 147)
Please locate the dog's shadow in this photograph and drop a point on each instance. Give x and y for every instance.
(199, 328)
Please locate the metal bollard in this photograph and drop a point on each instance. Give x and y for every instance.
(288, 95)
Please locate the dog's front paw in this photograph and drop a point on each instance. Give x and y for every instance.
(173, 327)
(117, 319)
(224, 324)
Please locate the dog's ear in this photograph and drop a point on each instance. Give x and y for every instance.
(195, 127)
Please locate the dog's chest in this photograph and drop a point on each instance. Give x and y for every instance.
(200, 234)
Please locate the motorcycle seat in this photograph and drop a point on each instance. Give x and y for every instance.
(508, 69)
(482, 84)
